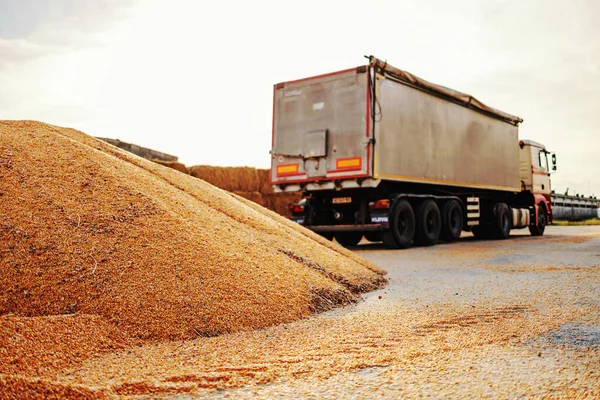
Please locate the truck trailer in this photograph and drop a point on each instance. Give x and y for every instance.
(380, 153)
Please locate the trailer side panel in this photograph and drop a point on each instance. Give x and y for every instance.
(424, 138)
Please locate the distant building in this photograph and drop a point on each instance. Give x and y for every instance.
(139, 150)
(574, 207)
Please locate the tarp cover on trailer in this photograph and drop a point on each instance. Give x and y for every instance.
(462, 98)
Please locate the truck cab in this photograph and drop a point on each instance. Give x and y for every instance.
(534, 169)
(534, 172)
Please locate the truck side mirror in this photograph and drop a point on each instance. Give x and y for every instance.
(553, 162)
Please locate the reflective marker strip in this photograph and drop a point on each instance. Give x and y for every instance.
(348, 163)
(287, 169)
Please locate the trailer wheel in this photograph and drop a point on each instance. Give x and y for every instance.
(429, 223)
(402, 226)
(348, 239)
(502, 221)
(538, 230)
(452, 221)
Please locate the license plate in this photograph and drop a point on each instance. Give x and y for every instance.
(341, 200)
(379, 219)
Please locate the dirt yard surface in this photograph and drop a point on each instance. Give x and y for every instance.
(473, 319)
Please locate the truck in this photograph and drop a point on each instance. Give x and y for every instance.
(380, 153)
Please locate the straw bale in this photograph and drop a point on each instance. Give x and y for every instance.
(246, 180)
(91, 229)
(175, 165)
(232, 179)
(256, 197)
(265, 179)
(280, 202)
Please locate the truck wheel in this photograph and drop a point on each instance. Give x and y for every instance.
(348, 239)
(402, 226)
(429, 223)
(538, 230)
(452, 221)
(388, 240)
(373, 236)
(502, 221)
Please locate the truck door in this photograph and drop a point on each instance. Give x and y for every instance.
(321, 128)
(315, 153)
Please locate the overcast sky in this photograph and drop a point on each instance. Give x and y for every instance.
(195, 78)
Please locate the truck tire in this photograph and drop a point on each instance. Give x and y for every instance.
(502, 221)
(388, 240)
(401, 233)
(538, 230)
(452, 221)
(429, 223)
(348, 239)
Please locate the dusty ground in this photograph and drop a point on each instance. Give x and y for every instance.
(513, 318)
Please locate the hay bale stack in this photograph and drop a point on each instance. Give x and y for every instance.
(256, 197)
(175, 165)
(279, 202)
(248, 183)
(89, 229)
(232, 179)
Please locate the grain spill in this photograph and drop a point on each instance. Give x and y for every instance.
(101, 250)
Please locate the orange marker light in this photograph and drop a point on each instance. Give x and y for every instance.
(348, 163)
(287, 169)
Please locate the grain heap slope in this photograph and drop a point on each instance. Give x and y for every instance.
(90, 229)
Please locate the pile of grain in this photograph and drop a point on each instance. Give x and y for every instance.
(101, 249)
(90, 229)
(56, 341)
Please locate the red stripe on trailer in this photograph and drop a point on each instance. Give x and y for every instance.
(320, 179)
(368, 121)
